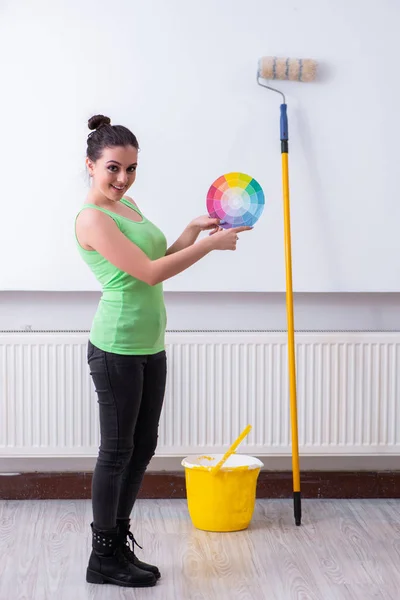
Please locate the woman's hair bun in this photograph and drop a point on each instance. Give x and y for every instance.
(97, 121)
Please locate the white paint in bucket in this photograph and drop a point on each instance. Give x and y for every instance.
(203, 461)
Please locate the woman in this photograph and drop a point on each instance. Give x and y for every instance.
(128, 255)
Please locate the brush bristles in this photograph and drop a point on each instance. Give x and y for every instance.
(292, 69)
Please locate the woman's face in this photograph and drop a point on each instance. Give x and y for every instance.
(114, 172)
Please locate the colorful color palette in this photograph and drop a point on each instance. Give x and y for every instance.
(235, 198)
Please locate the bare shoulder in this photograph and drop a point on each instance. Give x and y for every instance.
(96, 230)
(91, 216)
(91, 223)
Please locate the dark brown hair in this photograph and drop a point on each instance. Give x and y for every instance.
(106, 135)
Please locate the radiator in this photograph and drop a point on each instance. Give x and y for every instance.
(348, 394)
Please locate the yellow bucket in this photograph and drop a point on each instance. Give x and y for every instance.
(224, 501)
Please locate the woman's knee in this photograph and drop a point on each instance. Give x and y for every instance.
(143, 453)
(116, 458)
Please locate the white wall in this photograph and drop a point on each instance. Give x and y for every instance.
(182, 75)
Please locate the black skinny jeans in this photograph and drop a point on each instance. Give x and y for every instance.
(130, 391)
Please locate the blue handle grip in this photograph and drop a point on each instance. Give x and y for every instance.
(284, 123)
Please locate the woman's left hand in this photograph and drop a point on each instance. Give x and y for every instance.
(205, 223)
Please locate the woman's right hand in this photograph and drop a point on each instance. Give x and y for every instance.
(226, 239)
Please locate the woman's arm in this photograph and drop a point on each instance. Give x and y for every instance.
(188, 237)
(192, 231)
(100, 232)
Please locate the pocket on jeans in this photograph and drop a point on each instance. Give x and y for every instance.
(90, 350)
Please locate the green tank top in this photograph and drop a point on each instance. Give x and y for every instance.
(131, 316)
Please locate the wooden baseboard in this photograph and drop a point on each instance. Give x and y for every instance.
(166, 484)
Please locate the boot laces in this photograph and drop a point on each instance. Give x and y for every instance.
(131, 537)
(127, 550)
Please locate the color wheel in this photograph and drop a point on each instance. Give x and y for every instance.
(235, 198)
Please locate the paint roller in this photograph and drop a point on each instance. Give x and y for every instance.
(301, 70)
(290, 69)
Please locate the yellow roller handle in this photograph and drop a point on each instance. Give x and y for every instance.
(290, 320)
(216, 468)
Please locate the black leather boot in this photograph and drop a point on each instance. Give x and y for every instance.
(125, 536)
(108, 563)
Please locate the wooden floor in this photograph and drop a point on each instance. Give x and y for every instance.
(344, 550)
